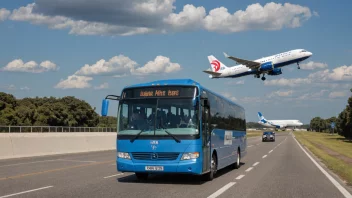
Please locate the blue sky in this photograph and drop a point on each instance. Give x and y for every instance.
(177, 36)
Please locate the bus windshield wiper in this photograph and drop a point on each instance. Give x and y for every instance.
(135, 137)
(170, 134)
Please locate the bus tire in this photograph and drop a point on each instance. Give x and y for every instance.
(237, 164)
(142, 176)
(213, 168)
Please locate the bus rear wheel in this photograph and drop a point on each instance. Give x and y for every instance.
(142, 176)
(237, 164)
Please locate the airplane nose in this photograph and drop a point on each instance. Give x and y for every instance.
(310, 53)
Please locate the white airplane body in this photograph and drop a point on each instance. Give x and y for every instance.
(268, 65)
(279, 124)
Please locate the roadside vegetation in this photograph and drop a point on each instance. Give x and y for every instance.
(332, 145)
(333, 150)
(50, 111)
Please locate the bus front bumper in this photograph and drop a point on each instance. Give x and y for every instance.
(192, 166)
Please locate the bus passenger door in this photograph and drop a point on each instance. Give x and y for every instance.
(206, 136)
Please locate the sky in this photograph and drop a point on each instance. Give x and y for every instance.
(89, 49)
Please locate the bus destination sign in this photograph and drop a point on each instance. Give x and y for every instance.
(159, 92)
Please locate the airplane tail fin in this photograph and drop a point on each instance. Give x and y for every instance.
(216, 65)
(261, 117)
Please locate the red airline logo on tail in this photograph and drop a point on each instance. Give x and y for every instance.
(216, 64)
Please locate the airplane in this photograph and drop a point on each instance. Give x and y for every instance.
(278, 124)
(267, 65)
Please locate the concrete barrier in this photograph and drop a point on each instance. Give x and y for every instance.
(16, 145)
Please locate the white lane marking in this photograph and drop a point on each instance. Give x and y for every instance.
(29, 163)
(255, 163)
(264, 156)
(113, 175)
(69, 160)
(249, 169)
(337, 184)
(249, 146)
(270, 151)
(112, 164)
(26, 191)
(240, 177)
(221, 190)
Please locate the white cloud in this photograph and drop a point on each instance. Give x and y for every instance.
(121, 66)
(13, 87)
(161, 64)
(324, 78)
(4, 13)
(271, 16)
(313, 65)
(343, 73)
(102, 86)
(31, 66)
(190, 18)
(337, 94)
(280, 94)
(8, 87)
(74, 82)
(25, 88)
(132, 17)
(118, 65)
(294, 82)
(312, 96)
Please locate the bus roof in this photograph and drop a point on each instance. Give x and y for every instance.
(181, 82)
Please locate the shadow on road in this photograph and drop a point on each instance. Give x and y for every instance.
(178, 179)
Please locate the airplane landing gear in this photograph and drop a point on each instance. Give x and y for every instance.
(298, 67)
(263, 78)
(256, 76)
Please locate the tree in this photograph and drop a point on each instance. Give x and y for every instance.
(49, 111)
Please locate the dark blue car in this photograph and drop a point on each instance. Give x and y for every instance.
(268, 136)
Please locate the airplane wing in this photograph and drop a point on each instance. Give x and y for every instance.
(248, 63)
(212, 73)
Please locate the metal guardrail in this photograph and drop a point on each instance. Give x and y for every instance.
(53, 129)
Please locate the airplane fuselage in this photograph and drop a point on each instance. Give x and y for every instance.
(277, 60)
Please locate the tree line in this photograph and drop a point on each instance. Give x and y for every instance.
(343, 123)
(50, 111)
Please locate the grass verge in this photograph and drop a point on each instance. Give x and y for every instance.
(332, 150)
(254, 133)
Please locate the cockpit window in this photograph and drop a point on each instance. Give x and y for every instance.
(303, 51)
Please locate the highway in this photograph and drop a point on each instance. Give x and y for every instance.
(270, 169)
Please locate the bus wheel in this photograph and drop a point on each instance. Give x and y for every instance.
(142, 176)
(213, 168)
(238, 160)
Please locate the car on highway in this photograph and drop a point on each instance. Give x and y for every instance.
(268, 136)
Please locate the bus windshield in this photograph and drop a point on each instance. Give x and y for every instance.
(155, 115)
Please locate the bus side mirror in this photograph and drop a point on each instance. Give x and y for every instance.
(105, 107)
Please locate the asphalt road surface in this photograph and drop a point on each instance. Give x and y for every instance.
(270, 169)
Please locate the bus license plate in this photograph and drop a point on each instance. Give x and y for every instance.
(154, 168)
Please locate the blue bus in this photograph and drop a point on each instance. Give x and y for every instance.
(177, 126)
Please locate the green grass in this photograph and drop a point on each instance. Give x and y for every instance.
(333, 151)
(254, 133)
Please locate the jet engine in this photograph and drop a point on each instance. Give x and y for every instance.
(266, 66)
(275, 72)
(210, 76)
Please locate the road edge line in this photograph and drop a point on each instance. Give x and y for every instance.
(332, 180)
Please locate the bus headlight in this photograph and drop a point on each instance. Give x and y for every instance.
(187, 156)
(123, 155)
